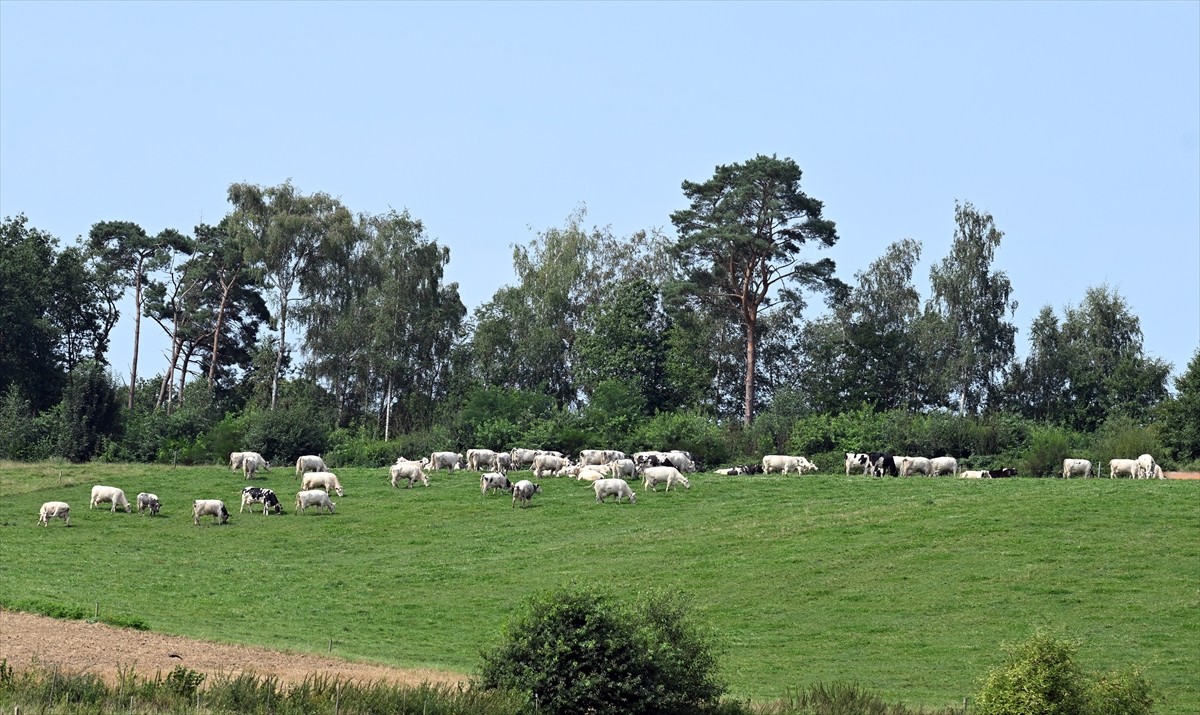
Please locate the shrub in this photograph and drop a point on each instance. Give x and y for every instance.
(1049, 447)
(689, 432)
(576, 650)
(1121, 437)
(1041, 677)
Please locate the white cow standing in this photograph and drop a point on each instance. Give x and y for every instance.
(54, 510)
(102, 494)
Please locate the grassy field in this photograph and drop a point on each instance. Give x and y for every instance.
(907, 586)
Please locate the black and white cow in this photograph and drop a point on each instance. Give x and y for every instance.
(260, 495)
(999, 473)
(875, 463)
(741, 469)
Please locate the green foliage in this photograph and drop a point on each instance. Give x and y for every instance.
(89, 413)
(18, 431)
(689, 432)
(1121, 692)
(184, 681)
(57, 610)
(614, 413)
(1049, 447)
(1120, 437)
(500, 414)
(574, 650)
(1040, 676)
(1180, 423)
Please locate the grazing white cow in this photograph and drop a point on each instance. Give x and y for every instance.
(235, 460)
(259, 495)
(315, 498)
(409, 471)
(494, 482)
(971, 474)
(653, 476)
(915, 465)
(783, 463)
(544, 464)
(252, 462)
(102, 494)
(523, 492)
(148, 502)
(54, 510)
(1158, 472)
(310, 463)
(943, 465)
(1145, 467)
(1122, 468)
(445, 460)
(1076, 468)
(683, 461)
(209, 507)
(322, 480)
(613, 487)
(590, 474)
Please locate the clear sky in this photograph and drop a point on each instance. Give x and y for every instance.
(1076, 125)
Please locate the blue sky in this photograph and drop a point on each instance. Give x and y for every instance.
(1077, 125)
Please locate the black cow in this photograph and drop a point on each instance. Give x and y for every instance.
(260, 495)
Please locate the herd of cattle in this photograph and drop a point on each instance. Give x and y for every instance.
(606, 469)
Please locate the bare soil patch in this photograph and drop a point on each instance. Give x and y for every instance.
(1182, 475)
(78, 646)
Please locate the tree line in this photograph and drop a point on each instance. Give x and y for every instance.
(299, 323)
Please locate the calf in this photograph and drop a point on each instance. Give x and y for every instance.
(54, 510)
(209, 507)
(314, 498)
(971, 474)
(260, 495)
(1002, 473)
(494, 482)
(148, 502)
(613, 487)
(523, 492)
(102, 494)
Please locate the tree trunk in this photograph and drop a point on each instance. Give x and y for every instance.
(137, 330)
(279, 352)
(748, 408)
(387, 420)
(212, 367)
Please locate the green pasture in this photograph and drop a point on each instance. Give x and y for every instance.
(906, 586)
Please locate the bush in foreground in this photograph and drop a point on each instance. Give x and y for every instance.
(1041, 677)
(576, 650)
